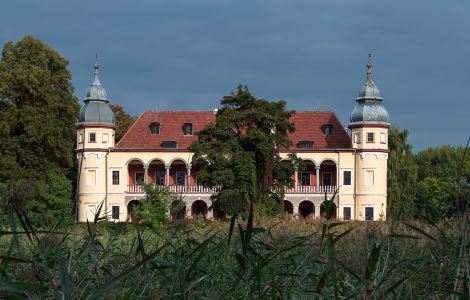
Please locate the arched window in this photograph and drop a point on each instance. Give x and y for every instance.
(154, 128)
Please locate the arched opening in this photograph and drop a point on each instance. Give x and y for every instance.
(199, 209)
(328, 176)
(306, 209)
(288, 207)
(178, 210)
(178, 176)
(156, 173)
(306, 178)
(131, 206)
(136, 171)
(328, 210)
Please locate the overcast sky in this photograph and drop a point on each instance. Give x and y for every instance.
(185, 55)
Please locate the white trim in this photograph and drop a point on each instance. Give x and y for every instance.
(366, 183)
(87, 180)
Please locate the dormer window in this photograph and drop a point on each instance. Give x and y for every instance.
(169, 144)
(154, 128)
(305, 145)
(188, 129)
(327, 129)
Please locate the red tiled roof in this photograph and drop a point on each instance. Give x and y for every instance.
(308, 126)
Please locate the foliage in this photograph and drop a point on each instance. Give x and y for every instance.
(37, 121)
(274, 259)
(402, 176)
(123, 121)
(444, 174)
(239, 153)
(154, 208)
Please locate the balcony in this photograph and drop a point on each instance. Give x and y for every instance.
(199, 189)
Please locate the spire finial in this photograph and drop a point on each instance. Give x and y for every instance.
(97, 65)
(369, 69)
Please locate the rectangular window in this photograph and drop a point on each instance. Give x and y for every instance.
(369, 213)
(346, 177)
(115, 212)
(346, 213)
(91, 177)
(357, 138)
(115, 177)
(327, 178)
(105, 137)
(188, 129)
(92, 137)
(369, 177)
(305, 145)
(370, 137)
(139, 178)
(305, 178)
(160, 178)
(169, 144)
(80, 137)
(383, 138)
(180, 176)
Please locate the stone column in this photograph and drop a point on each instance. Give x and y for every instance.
(317, 176)
(296, 176)
(317, 211)
(146, 173)
(188, 175)
(295, 212)
(167, 175)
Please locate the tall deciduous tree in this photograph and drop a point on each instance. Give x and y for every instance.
(402, 175)
(38, 112)
(123, 121)
(239, 153)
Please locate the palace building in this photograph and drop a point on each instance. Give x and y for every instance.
(155, 150)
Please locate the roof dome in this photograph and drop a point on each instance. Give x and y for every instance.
(369, 108)
(96, 109)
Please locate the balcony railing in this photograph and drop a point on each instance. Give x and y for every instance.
(199, 189)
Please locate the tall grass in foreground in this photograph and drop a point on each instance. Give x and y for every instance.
(272, 259)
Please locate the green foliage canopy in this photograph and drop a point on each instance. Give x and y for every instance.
(37, 120)
(123, 121)
(239, 153)
(402, 175)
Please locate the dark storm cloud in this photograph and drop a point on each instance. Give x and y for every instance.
(188, 54)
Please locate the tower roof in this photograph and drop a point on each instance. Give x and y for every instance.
(369, 108)
(96, 109)
(96, 91)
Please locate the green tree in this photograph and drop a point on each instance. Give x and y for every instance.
(154, 211)
(123, 121)
(239, 153)
(451, 166)
(38, 112)
(402, 176)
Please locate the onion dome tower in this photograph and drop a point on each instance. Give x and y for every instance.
(96, 117)
(369, 124)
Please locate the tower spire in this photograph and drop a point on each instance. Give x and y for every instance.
(369, 70)
(96, 80)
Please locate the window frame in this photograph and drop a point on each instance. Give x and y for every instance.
(190, 126)
(135, 178)
(371, 134)
(357, 137)
(113, 181)
(183, 177)
(167, 142)
(350, 177)
(90, 134)
(366, 208)
(350, 213)
(310, 145)
(155, 125)
(327, 129)
(88, 182)
(159, 175)
(302, 174)
(366, 183)
(118, 212)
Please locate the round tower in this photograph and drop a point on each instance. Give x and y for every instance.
(369, 124)
(95, 136)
